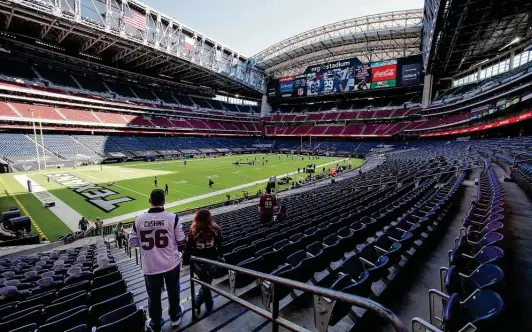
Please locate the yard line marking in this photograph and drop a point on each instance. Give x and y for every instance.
(117, 185)
(23, 208)
(132, 215)
(63, 211)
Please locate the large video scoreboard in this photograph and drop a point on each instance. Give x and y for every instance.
(347, 76)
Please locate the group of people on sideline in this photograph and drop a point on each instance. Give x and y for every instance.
(85, 224)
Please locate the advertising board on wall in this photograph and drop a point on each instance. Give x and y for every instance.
(410, 74)
(350, 75)
(384, 74)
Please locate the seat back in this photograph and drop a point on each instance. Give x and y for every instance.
(117, 314)
(19, 321)
(111, 290)
(73, 288)
(21, 313)
(45, 299)
(74, 319)
(106, 279)
(68, 297)
(66, 313)
(99, 309)
(26, 328)
(56, 308)
(131, 323)
(79, 328)
(452, 319)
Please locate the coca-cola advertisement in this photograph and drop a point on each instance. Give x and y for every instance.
(384, 74)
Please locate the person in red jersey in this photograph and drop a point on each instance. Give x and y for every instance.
(266, 204)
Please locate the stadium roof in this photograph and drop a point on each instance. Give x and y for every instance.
(466, 32)
(131, 36)
(369, 38)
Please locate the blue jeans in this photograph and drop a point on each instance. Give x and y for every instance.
(205, 273)
(154, 285)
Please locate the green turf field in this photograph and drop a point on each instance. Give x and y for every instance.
(86, 189)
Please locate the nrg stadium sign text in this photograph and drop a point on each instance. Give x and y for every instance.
(92, 193)
(329, 66)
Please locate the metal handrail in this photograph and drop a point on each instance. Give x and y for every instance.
(358, 301)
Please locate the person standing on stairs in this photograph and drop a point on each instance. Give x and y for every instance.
(204, 240)
(158, 234)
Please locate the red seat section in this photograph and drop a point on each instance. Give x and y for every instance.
(78, 115)
(198, 124)
(37, 111)
(5, 110)
(334, 130)
(161, 122)
(318, 130)
(354, 129)
(111, 118)
(180, 123)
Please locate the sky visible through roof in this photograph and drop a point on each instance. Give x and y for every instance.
(250, 26)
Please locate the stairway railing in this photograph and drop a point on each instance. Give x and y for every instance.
(324, 299)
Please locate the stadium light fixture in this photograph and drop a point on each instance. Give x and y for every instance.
(481, 62)
(49, 45)
(7, 35)
(516, 40)
(166, 76)
(90, 56)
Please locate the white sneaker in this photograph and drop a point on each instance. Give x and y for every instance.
(178, 321)
(148, 327)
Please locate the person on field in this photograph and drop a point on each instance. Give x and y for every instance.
(166, 189)
(205, 241)
(266, 204)
(185, 162)
(210, 183)
(158, 234)
(155, 180)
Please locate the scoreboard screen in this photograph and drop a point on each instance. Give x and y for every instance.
(351, 75)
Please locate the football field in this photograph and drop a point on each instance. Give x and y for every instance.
(119, 192)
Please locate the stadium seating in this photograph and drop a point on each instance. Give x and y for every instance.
(62, 290)
(17, 145)
(67, 147)
(468, 284)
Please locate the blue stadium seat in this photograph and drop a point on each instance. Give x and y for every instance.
(479, 310)
(117, 314)
(99, 309)
(487, 276)
(103, 293)
(67, 320)
(131, 323)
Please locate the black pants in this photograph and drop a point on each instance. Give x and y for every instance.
(266, 218)
(205, 273)
(154, 284)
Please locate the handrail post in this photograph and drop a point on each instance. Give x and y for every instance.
(193, 292)
(275, 309)
(136, 255)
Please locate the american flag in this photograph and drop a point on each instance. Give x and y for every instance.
(135, 19)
